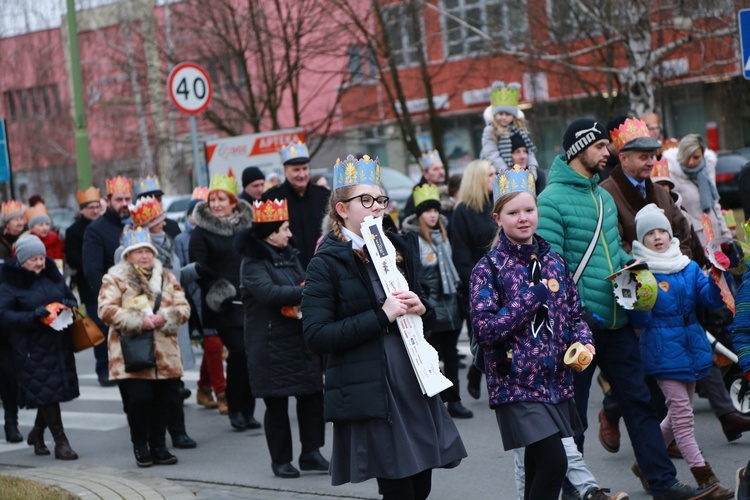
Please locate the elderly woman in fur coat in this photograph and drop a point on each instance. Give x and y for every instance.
(138, 294)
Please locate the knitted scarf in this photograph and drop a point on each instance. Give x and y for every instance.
(706, 187)
(503, 144)
(448, 274)
(669, 262)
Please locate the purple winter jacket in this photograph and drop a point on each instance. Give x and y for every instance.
(501, 316)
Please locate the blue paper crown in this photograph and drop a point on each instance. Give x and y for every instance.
(510, 181)
(146, 185)
(295, 153)
(352, 172)
(430, 159)
(137, 237)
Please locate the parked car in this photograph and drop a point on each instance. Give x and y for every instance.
(728, 166)
(175, 206)
(397, 184)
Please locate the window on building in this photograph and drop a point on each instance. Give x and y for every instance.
(11, 103)
(56, 98)
(403, 36)
(35, 101)
(22, 103)
(702, 8)
(362, 63)
(503, 20)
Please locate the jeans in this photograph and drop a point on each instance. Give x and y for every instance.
(100, 351)
(618, 356)
(577, 474)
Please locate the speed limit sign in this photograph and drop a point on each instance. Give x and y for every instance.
(189, 87)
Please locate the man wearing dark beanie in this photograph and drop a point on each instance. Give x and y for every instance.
(253, 184)
(612, 160)
(579, 220)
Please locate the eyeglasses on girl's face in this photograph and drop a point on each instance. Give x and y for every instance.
(368, 200)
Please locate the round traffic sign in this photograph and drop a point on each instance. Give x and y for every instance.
(189, 87)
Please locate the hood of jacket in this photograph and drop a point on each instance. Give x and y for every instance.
(522, 253)
(251, 247)
(675, 170)
(410, 224)
(14, 273)
(562, 172)
(220, 225)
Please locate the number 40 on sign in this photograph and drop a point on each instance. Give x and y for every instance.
(189, 88)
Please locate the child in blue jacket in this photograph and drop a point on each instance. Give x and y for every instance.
(674, 347)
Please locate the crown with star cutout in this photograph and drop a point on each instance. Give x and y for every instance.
(270, 211)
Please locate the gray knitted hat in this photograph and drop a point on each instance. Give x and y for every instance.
(29, 246)
(649, 218)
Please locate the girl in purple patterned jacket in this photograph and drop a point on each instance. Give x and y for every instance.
(526, 312)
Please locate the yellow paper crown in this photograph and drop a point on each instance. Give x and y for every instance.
(38, 209)
(425, 192)
(270, 211)
(351, 172)
(90, 194)
(223, 182)
(200, 193)
(505, 98)
(512, 180)
(119, 184)
(12, 208)
(629, 130)
(145, 211)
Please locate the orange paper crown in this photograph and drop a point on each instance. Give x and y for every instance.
(669, 143)
(200, 193)
(660, 172)
(87, 196)
(629, 130)
(38, 209)
(270, 211)
(12, 208)
(147, 210)
(119, 184)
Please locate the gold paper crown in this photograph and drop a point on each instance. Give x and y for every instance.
(12, 208)
(119, 184)
(90, 194)
(351, 172)
(514, 179)
(629, 130)
(660, 172)
(270, 211)
(425, 192)
(200, 193)
(226, 183)
(146, 211)
(505, 98)
(38, 209)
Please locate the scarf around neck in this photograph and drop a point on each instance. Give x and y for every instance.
(358, 242)
(448, 274)
(707, 189)
(669, 262)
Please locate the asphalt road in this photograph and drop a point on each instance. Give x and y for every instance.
(229, 464)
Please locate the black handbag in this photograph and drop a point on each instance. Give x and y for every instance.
(138, 350)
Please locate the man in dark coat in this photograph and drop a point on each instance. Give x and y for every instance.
(253, 184)
(308, 203)
(90, 209)
(150, 186)
(100, 240)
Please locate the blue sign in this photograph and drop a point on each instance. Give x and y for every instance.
(4, 154)
(744, 19)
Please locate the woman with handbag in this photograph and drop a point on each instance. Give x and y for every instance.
(43, 357)
(279, 363)
(212, 247)
(144, 306)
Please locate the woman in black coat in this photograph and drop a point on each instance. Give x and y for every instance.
(43, 356)
(279, 363)
(213, 249)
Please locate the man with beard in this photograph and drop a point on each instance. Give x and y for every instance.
(90, 208)
(575, 215)
(100, 240)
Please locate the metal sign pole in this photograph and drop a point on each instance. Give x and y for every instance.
(198, 171)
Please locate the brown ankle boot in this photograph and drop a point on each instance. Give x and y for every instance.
(221, 402)
(36, 439)
(205, 397)
(704, 476)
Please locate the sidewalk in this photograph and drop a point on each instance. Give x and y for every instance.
(106, 483)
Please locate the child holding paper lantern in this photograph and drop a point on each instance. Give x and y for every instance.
(525, 312)
(674, 348)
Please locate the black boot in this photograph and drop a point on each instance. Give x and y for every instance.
(53, 417)
(36, 436)
(12, 435)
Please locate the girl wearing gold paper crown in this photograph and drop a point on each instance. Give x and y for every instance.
(279, 362)
(439, 276)
(384, 427)
(525, 312)
(496, 138)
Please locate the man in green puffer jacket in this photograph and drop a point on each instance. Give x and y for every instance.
(569, 211)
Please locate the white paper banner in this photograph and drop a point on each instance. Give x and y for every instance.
(424, 358)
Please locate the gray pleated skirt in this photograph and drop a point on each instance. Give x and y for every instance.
(524, 423)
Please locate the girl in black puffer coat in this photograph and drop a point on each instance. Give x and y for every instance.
(279, 363)
(43, 356)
